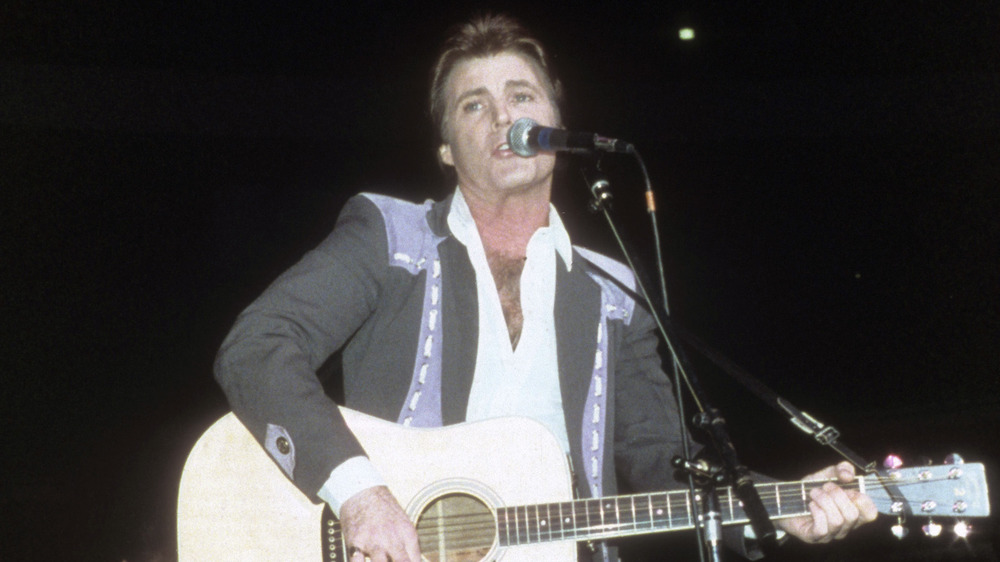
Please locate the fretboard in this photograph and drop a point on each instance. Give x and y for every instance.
(637, 514)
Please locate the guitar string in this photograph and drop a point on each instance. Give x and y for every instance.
(516, 520)
(532, 514)
(480, 530)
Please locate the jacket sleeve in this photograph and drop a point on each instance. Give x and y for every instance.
(267, 364)
(647, 433)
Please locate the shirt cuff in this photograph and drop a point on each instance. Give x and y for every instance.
(350, 477)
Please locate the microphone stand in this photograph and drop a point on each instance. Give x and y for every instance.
(709, 418)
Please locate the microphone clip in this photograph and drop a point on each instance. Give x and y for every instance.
(600, 189)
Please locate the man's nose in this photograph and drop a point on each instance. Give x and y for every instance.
(501, 115)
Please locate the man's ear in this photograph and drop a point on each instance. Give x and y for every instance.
(444, 153)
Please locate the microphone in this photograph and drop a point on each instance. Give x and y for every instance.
(527, 138)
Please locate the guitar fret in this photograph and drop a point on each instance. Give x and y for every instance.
(574, 526)
(643, 512)
(687, 500)
(595, 515)
(666, 515)
(625, 512)
(652, 523)
(568, 521)
(531, 512)
(502, 536)
(679, 519)
(552, 512)
(561, 522)
(515, 530)
(531, 524)
(539, 522)
(544, 532)
(546, 527)
(524, 531)
(580, 517)
(512, 526)
(794, 502)
(511, 529)
(686, 518)
(554, 524)
(565, 519)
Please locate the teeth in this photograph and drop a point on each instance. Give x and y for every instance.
(504, 146)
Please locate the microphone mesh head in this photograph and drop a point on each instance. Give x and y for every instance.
(517, 137)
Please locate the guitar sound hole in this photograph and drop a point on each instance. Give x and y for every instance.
(456, 528)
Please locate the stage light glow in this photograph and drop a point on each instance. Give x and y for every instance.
(962, 530)
(892, 462)
(686, 33)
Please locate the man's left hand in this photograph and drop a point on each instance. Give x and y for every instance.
(834, 510)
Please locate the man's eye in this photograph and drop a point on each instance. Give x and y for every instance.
(523, 97)
(472, 106)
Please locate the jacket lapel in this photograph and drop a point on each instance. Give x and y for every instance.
(577, 313)
(459, 315)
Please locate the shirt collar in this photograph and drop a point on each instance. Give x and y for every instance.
(463, 226)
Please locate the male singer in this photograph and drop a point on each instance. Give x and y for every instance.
(470, 308)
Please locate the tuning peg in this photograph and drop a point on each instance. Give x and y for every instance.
(931, 529)
(954, 458)
(892, 462)
(962, 529)
(899, 530)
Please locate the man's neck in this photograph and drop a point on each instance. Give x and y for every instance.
(507, 222)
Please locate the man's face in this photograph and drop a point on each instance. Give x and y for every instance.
(485, 96)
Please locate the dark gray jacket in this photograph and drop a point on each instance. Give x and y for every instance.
(370, 288)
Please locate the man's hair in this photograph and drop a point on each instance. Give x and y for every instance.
(481, 37)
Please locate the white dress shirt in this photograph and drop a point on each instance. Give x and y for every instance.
(521, 381)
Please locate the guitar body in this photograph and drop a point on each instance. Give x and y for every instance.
(236, 504)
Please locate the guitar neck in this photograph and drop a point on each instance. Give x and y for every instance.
(639, 514)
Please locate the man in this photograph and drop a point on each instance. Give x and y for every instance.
(470, 308)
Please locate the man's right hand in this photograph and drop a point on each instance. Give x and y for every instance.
(376, 527)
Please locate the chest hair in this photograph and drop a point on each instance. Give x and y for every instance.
(506, 272)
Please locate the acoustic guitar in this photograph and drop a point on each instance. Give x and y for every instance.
(490, 490)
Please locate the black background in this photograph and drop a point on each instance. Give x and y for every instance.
(826, 175)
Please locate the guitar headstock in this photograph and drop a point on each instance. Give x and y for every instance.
(955, 489)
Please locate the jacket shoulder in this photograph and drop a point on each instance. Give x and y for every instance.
(408, 234)
(616, 281)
